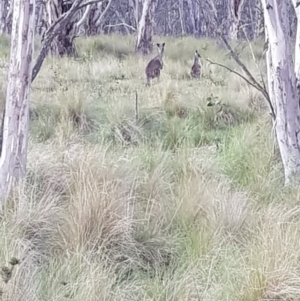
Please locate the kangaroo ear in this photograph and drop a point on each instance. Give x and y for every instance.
(158, 45)
(163, 44)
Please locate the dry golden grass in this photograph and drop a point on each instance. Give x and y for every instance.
(184, 203)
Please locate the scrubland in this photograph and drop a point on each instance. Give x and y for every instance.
(178, 201)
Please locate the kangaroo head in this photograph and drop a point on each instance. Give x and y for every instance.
(161, 48)
(197, 54)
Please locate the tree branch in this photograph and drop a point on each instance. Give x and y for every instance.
(254, 84)
(260, 88)
(103, 13)
(256, 63)
(83, 18)
(53, 30)
(88, 3)
(211, 9)
(121, 24)
(233, 71)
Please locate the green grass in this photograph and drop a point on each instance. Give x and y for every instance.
(182, 202)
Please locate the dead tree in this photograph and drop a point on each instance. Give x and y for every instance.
(15, 126)
(144, 43)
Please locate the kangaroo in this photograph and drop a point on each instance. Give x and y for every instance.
(197, 66)
(155, 65)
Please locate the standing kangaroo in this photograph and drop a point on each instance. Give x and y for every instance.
(155, 65)
(197, 66)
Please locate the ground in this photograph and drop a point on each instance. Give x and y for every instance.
(175, 201)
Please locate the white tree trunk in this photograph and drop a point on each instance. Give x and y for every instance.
(192, 16)
(145, 28)
(235, 11)
(181, 14)
(282, 87)
(138, 12)
(297, 46)
(15, 132)
(233, 30)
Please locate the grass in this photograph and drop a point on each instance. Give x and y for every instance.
(184, 202)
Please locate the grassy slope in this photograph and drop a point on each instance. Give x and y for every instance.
(119, 209)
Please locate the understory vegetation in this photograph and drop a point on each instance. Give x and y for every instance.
(178, 200)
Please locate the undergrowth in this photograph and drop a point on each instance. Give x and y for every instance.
(179, 200)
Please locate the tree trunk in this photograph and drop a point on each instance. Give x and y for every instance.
(197, 19)
(63, 23)
(282, 87)
(39, 11)
(181, 16)
(259, 21)
(138, 12)
(63, 43)
(235, 12)
(233, 30)
(5, 16)
(15, 132)
(192, 16)
(92, 19)
(145, 29)
(297, 46)
(3, 11)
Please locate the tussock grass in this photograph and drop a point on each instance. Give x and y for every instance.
(182, 201)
